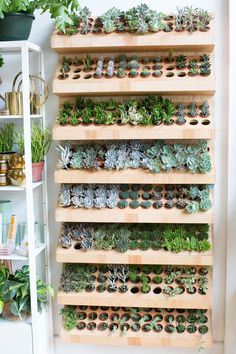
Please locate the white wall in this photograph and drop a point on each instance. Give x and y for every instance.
(41, 32)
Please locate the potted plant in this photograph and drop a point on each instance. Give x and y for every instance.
(40, 144)
(7, 133)
(16, 16)
(15, 293)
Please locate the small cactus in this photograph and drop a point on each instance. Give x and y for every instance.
(121, 73)
(133, 64)
(145, 73)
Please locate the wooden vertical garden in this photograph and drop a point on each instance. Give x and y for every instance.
(180, 88)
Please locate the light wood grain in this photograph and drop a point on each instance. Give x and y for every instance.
(75, 84)
(129, 215)
(73, 255)
(132, 176)
(140, 338)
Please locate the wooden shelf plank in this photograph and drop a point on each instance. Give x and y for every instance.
(130, 41)
(116, 86)
(160, 340)
(165, 340)
(139, 338)
(122, 132)
(195, 301)
(172, 81)
(129, 215)
(132, 176)
(73, 255)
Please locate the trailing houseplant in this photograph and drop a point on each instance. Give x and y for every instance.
(16, 16)
(40, 144)
(15, 293)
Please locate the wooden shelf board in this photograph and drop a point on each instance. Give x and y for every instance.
(126, 86)
(86, 84)
(155, 339)
(73, 255)
(129, 215)
(195, 301)
(130, 41)
(160, 340)
(132, 176)
(122, 132)
(139, 338)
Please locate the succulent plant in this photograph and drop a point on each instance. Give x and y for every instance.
(145, 73)
(65, 241)
(205, 109)
(193, 111)
(65, 196)
(65, 156)
(133, 64)
(134, 204)
(181, 62)
(121, 73)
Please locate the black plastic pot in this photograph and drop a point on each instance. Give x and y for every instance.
(16, 26)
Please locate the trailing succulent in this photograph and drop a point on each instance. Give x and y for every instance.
(171, 237)
(150, 110)
(156, 157)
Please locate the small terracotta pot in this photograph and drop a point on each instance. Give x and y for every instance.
(37, 170)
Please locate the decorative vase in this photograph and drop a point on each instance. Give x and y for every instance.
(37, 171)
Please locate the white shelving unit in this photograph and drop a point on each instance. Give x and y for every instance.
(39, 337)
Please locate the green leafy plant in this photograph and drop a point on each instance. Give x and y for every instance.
(63, 11)
(1, 61)
(7, 135)
(15, 291)
(40, 142)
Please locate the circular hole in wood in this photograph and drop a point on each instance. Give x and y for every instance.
(91, 326)
(170, 67)
(182, 74)
(169, 328)
(134, 290)
(92, 316)
(114, 317)
(205, 122)
(125, 326)
(76, 77)
(77, 246)
(158, 328)
(82, 315)
(80, 326)
(135, 327)
(157, 290)
(170, 75)
(63, 77)
(192, 291)
(77, 71)
(102, 326)
(147, 67)
(113, 327)
(181, 289)
(88, 76)
(103, 316)
(193, 122)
